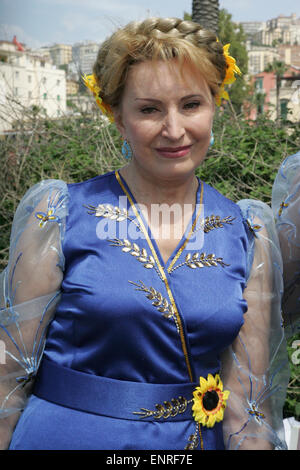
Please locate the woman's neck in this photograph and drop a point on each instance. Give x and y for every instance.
(147, 190)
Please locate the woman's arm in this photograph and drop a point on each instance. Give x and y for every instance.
(286, 208)
(29, 292)
(255, 368)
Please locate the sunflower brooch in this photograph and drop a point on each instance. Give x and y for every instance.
(209, 401)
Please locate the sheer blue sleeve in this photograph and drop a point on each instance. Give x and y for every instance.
(255, 368)
(29, 292)
(286, 208)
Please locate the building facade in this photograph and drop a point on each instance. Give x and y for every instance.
(252, 27)
(289, 54)
(280, 30)
(265, 95)
(259, 57)
(59, 54)
(84, 56)
(27, 82)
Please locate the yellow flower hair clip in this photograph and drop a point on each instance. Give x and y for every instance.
(230, 77)
(91, 83)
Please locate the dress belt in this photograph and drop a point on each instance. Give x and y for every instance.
(114, 398)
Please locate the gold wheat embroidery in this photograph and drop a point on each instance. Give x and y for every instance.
(193, 441)
(158, 301)
(110, 212)
(201, 260)
(214, 221)
(139, 253)
(169, 409)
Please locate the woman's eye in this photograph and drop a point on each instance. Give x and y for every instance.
(192, 105)
(148, 110)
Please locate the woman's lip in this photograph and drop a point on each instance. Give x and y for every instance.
(173, 152)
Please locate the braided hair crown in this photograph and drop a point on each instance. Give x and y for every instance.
(157, 39)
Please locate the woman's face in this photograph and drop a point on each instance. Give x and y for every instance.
(166, 115)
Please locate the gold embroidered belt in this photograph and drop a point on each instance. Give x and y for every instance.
(110, 397)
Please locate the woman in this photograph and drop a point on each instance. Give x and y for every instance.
(146, 322)
(285, 204)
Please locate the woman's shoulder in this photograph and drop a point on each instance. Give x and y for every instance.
(45, 193)
(253, 213)
(93, 181)
(101, 185)
(215, 200)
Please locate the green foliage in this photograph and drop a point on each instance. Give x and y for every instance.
(246, 155)
(276, 66)
(72, 149)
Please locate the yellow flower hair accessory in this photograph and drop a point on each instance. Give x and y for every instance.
(209, 401)
(91, 83)
(230, 77)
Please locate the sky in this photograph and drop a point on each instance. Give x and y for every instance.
(44, 22)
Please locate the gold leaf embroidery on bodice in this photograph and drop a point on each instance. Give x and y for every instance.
(110, 212)
(214, 221)
(158, 301)
(197, 260)
(132, 248)
(200, 260)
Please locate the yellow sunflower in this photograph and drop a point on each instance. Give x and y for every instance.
(91, 83)
(209, 401)
(231, 70)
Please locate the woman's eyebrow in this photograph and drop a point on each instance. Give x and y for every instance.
(147, 99)
(199, 95)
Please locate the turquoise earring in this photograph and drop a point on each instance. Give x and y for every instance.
(126, 150)
(212, 139)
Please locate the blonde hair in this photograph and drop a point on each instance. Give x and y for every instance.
(157, 39)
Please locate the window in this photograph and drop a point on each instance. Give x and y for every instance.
(259, 95)
(58, 97)
(29, 78)
(259, 83)
(57, 82)
(284, 109)
(30, 94)
(17, 74)
(45, 96)
(44, 80)
(260, 108)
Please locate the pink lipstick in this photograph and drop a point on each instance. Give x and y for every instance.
(173, 152)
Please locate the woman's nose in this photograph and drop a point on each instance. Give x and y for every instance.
(172, 127)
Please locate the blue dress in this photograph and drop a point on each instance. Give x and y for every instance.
(132, 336)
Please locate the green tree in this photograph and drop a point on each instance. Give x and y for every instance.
(206, 13)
